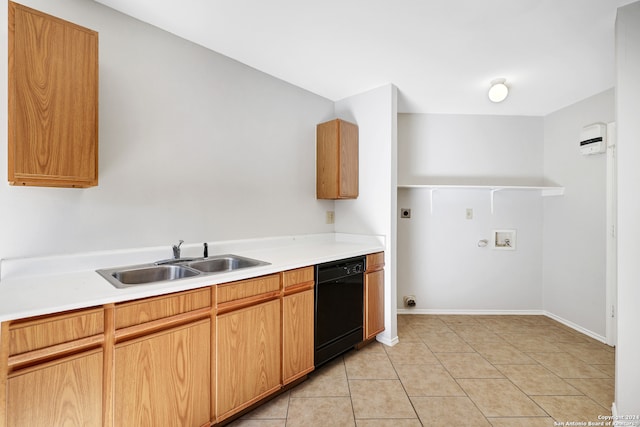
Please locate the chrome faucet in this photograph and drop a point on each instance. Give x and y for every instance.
(176, 249)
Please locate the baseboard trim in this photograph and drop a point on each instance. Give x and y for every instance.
(557, 318)
(622, 421)
(576, 327)
(390, 342)
(471, 312)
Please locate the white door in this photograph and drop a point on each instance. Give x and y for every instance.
(612, 237)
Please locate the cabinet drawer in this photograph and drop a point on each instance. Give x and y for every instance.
(375, 261)
(150, 309)
(297, 276)
(247, 288)
(36, 333)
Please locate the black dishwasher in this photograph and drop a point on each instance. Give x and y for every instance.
(338, 307)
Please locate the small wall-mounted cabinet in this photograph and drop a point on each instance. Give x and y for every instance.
(53, 101)
(337, 160)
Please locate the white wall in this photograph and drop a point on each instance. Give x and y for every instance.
(451, 148)
(574, 248)
(628, 110)
(439, 260)
(193, 146)
(374, 211)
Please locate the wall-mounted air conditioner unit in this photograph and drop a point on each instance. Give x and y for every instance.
(593, 139)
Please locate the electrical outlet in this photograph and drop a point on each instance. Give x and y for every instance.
(469, 213)
(331, 217)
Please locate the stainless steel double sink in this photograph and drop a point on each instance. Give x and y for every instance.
(142, 274)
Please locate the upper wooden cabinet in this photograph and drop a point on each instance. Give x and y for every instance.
(337, 160)
(53, 101)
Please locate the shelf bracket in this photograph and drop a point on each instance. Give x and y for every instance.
(493, 192)
(431, 190)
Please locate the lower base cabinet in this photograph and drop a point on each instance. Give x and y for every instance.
(164, 379)
(66, 392)
(297, 335)
(374, 296)
(247, 356)
(298, 316)
(186, 359)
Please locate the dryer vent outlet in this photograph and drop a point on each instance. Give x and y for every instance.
(410, 301)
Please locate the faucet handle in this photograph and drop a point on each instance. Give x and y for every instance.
(176, 249)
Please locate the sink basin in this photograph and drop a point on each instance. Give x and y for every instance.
(140, 275)
(124, 277)
(223, 263)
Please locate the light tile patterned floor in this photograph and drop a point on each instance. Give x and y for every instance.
(501, 371)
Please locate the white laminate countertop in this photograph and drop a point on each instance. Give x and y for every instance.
(44, 285)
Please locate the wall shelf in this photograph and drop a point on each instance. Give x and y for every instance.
(545, 191)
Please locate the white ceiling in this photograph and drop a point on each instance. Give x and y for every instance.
(441, 54)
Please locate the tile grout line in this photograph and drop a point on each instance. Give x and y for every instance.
(449, 372)
(286, 415)
(509, 379)
(456, 379)
(346, 375)
(404, 388)
(524, 327)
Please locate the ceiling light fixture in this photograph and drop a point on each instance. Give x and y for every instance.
(498, 91)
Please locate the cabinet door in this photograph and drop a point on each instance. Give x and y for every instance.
(67, 392)
(374, 303)
(248, 356)
(53, 101)
(348, 161)
(297, 335)
(163, 379)
(337, 160)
